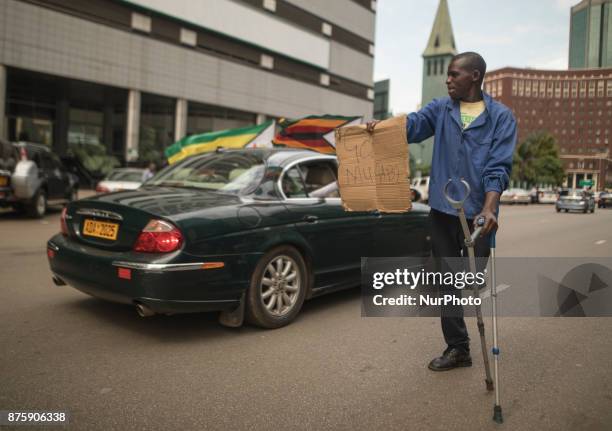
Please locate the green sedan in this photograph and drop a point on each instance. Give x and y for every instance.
(251, 233)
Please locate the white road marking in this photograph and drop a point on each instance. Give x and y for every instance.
(600, 242)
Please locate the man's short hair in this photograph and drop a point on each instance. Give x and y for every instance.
(473, 61)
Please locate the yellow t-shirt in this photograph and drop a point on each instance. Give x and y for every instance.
(470, 111)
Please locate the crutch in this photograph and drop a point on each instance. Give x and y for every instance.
(469, 243)
(497, 410)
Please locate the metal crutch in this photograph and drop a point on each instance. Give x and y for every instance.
(497, 410)
(469, 243)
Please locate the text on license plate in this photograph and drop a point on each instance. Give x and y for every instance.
(100, 229)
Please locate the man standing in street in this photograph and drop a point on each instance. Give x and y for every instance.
(474, 139)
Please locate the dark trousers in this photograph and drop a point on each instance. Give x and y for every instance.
(447, 240)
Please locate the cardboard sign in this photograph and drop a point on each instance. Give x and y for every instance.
(373, 168)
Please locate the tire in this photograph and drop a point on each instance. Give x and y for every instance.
(262, 306)
(73, 195)
(37, 207)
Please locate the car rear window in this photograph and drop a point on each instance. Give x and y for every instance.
(231, 172)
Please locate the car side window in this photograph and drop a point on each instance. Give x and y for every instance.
(46, 162)
(321, 179)
(293, 184)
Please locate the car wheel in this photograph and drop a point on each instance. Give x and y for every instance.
(73, 195)
(278, 288)
(38, 205)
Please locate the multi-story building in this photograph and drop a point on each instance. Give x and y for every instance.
(140, 74)
(591, 34)
(381, 99)
(575, 106)
(436, 58)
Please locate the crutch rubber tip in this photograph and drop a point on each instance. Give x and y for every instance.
(489, 384)
(495, 350)
(497, 414)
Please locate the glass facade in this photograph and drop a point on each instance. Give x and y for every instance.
(202, 118)
(156, 127)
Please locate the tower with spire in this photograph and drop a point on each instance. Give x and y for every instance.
(436, 57)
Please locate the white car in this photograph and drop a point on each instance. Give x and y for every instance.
(121, 179)
(421, 185)
(515, 196)
(548, 197)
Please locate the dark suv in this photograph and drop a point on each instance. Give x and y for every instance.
(33, 178)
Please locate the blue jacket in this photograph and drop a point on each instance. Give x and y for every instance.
(481, 154)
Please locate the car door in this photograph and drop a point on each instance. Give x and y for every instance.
(338, 239)
(52, 175)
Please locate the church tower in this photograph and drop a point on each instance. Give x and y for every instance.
(436, 57)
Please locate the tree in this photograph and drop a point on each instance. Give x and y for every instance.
(536, 160)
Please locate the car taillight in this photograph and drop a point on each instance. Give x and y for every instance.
(63, 224)
(101, 189)
(158, 236)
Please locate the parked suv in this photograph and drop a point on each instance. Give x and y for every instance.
(36, 179)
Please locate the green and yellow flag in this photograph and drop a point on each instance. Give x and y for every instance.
(259, 136)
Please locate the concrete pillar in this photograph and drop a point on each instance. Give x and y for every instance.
(261, 118)
(180, 119)
(595, 184)
(574, 180)
(3, 120)
(133, 126)
(60, 126)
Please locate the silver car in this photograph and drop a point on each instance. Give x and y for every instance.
(576, 200)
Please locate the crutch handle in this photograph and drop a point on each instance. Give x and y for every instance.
(480, 221)
(457, 204)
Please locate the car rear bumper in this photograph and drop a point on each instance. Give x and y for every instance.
(572, 206)
(164, 287)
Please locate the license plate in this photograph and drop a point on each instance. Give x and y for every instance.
(3, 181)
(101, 229)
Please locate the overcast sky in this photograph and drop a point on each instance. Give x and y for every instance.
(519, 33)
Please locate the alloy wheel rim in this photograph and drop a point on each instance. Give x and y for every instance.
(40, 204)
(280, 285)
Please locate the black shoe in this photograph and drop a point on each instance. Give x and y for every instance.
(451, 358)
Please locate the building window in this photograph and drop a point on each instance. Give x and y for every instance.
(549, 90)
(324, 79)
(514, 87)
(542, 88)
(565, 90)
(528, 89)
(141, 22)
(370, 94)
(188, 37)
(270, 5)
(592, 89)
(521, 87)
(428, 67)
(574, 90)
(582, 89)
(266, 61)
(326, 29)
(609, 88)
(499, 87)
(600, 88)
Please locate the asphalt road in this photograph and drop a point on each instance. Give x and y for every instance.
(330, 369)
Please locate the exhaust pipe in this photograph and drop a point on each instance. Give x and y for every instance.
(58, 281)
(144, 311)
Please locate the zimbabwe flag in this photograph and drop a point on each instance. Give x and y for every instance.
(259, 136)
(315, 132)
